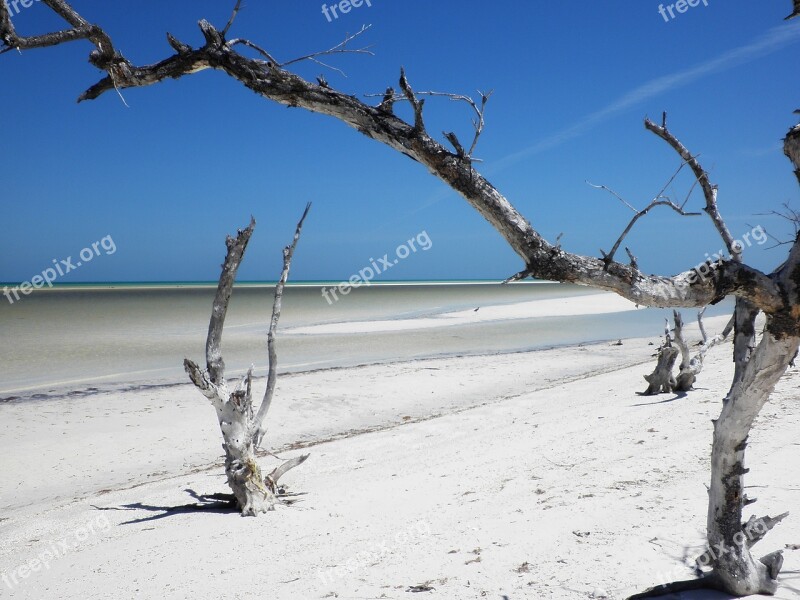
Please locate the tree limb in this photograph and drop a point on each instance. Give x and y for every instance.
(236, 247)
(233, 17)
(340, 48)
(757, 529)
(709, 190)
(282, 469)
(659, 200)
(272, 375)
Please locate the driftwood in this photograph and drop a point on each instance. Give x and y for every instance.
(241, 426)
(661, 380)
(777, 294)
(691, 365)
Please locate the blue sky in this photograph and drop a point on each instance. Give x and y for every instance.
(189, 161)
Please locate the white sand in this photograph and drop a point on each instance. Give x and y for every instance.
(532, 475)
(594, 304)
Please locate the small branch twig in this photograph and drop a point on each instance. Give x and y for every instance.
(257, 48)
(634, 262)
(788, 214)
(417, 105)
(272, 375)
(389, 97)
(757, 529)
(701, 175)
(524, 274)
(659, 200)
(233, 17)
(340, 48)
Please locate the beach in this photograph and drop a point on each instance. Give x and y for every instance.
(519, 474)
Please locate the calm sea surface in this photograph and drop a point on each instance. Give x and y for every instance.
(76, 339)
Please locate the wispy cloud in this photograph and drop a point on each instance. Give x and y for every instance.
(771, 41)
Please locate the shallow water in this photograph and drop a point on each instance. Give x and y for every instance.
(74, 339)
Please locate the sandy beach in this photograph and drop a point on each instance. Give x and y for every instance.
(529, 475)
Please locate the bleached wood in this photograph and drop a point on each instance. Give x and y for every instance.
(661, 379)
(691, 365)
(241, 427)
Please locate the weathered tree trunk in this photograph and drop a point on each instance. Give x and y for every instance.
(744, 339)
(734, 566)
(241, 426)
(661, 379)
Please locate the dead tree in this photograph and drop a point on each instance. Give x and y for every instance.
(242, 427)
(776, 294)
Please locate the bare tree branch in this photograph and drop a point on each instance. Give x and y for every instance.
(746, 309)
(478, 124)
(757, 528)
(709, 190)
(249, 44)
(282, 469)
(272, 375)
(236, 248)
(233, 17)
(659, 200)
(417, 105)
(340, 48)
(791, 144)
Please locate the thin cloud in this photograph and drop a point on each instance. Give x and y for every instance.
(772, 40)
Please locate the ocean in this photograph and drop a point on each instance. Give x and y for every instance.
(79, 339)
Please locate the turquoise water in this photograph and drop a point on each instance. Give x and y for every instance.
(80, 337)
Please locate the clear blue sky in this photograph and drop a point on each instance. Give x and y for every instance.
(190, 160)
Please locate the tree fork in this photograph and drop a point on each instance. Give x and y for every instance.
(242, 428)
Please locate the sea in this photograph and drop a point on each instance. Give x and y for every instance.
(84, 338)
